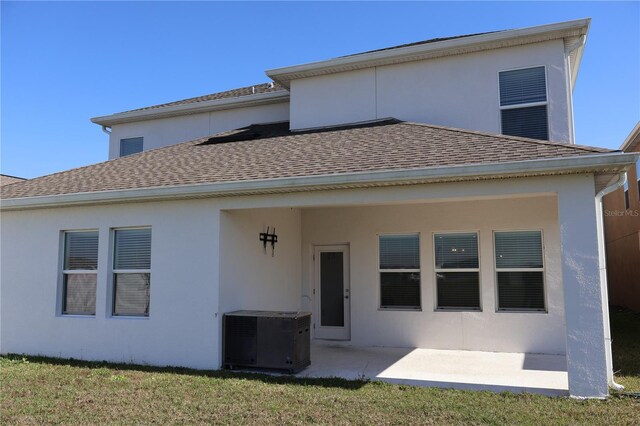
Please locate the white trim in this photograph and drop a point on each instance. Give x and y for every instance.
(437, 308)
(632, 139)
(61, 287)
(332, 332)
(381, 271)
(193, 108)
(611, 162)
(111, 287)
(454, 46)
(526, 104)
(543, 270)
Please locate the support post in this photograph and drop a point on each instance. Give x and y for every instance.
(583, 299)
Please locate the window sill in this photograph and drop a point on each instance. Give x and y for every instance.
(76, 315)
(474, 310)
(399, 309)
(521, 311)
(129, 317)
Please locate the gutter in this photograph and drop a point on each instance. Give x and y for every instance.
(573, 28)
(573, 165)
(192, 108)
(604, 288)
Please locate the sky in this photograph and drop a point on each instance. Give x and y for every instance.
(62, 63)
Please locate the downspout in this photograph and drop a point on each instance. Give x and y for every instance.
(604, 292)
(568, 50)
(104, 129)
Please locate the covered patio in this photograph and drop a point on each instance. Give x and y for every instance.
(361, 333)
(472, 370)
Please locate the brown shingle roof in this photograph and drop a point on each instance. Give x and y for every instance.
(8, 180)
(234, 93)
(416, 43)
(272, 151)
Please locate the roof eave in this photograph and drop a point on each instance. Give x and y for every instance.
(632, 140)
(469, 44)
(193, 108)
(609, 163)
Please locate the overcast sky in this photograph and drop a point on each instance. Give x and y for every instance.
(63, 63)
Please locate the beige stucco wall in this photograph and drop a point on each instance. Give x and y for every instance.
(487, 330)
(455, 91)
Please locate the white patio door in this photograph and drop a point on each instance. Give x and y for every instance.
(332, 293)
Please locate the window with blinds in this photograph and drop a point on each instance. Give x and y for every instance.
(399, 270)
(523, 103)
(132, 272)
(457, 271)
(79, 272)
(519, 270)
(130, 146)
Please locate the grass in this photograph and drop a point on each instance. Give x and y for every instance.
(43, 390)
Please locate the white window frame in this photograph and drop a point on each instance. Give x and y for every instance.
(436, 308)
(526, 104)
(544, 274)
(129, 138)
(62, 288)
(380, 271)
(113, 272)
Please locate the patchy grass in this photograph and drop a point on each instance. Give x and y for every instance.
(625, 334)
(42, 390)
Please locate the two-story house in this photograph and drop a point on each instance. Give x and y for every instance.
(428, 196)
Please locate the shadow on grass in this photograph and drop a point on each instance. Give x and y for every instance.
(272, 377)
(625, 333)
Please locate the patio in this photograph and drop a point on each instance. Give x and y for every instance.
(474, 370)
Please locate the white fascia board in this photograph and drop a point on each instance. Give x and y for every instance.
(613, 162)
(193, 108)
(632, 140)
(468, 44)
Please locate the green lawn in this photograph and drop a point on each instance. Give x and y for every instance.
(38, 390)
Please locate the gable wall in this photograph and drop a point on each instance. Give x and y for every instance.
(456, 91)
(169, 131)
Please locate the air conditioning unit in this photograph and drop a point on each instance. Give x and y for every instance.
(265, 339)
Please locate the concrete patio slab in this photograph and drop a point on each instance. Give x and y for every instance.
(493, 371)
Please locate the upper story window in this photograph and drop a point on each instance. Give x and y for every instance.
(130, 146)
(79, 272)
(523, 103)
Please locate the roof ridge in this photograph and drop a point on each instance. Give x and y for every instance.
(193, 99)
(517, 138)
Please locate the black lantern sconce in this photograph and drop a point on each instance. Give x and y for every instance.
(269, 238)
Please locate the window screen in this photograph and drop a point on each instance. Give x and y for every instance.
(80, 272)
(130, 146)
(523, 86)
(519, 89)
(519, 270)
(399, 271)
(457, 271)
(530, 122)
(132, 272)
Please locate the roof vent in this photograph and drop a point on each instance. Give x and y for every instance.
(271, 85)
(253, 90)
